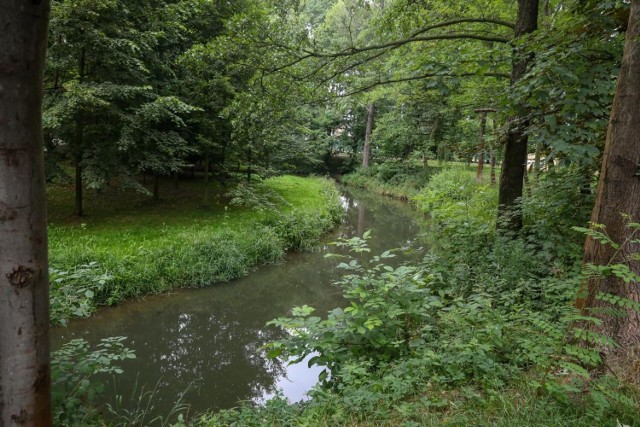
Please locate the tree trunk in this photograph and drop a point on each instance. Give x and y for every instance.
(78, 143)
(493, 151)
(480, 169)
(156, 187)
(206, 177)
(619, 193)
(367, 136)
(493, 167)
(515, 155)
(432, 137)
(78, 208)
(24, 284)
(249, 159)
(536, 163)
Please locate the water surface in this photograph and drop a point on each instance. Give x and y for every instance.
(208, 340)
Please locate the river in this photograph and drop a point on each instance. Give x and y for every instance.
(206, 342)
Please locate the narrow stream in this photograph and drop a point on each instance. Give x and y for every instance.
(207, 341)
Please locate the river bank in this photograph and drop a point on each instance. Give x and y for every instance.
(127, 248)
(208, 342)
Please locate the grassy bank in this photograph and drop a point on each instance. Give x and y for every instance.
(128, 247)
(404, 180)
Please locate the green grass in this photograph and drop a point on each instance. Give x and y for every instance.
(179, 242)
(517, 404)
(404, 180)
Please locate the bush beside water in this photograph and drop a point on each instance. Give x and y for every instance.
(482, 331)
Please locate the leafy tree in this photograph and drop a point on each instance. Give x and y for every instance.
(95, 72)
(153, 138)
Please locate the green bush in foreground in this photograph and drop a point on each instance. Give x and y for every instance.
(408, 350)
(482, 331)
(104, 264)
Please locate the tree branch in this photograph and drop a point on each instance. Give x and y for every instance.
(454, 36)
(420, 77)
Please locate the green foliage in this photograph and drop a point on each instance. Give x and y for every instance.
(78, 373)
(401, 180)
(462, 212)
(410, 349)
(559, 200)
(254, 196)
(196, 248)
(74, 293)
(452, 198)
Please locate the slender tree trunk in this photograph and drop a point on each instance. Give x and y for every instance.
(619, 193)
(432, 137)
(78, 142)
(78, 208)
(493, 151)
(206, 177)
(536, 162)
(442, 153)
(526, 183)
(249, 159)
(156, 187)
(515, 155)
(493, 167)
(367, 136)
(480, 169)
(24, 284)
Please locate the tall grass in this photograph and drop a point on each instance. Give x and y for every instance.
(142, 254)
(403, 180)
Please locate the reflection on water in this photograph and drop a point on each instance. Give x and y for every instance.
(208, 340)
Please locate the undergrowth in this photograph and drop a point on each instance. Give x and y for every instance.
(401, 180)
(482, 331)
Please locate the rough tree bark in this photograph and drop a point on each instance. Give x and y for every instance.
(24, 317)
(367, 136)
(619, 193)
(515, 155)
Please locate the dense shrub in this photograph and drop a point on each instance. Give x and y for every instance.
(401, 180)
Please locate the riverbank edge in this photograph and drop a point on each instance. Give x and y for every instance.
(86, 274)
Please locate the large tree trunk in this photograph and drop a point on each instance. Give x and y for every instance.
(515, 155)
(367, 136)
(24, 283)
(619, 193)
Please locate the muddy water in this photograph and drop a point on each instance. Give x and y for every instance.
(207, 341)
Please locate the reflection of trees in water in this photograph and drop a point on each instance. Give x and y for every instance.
(389, 220)
(219, 355)
(211, 337)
